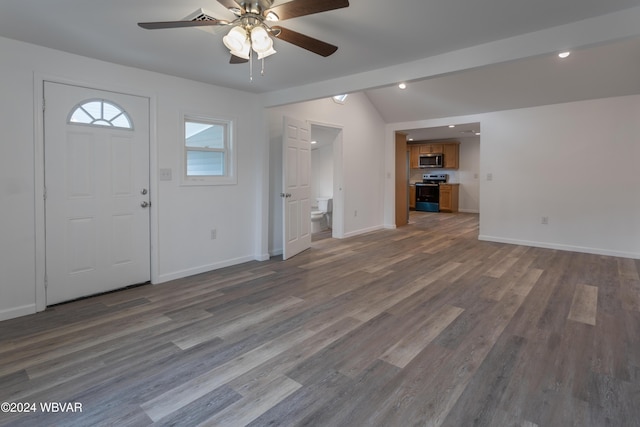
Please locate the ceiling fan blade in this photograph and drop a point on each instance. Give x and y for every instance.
(231, 4)
(237, 60)
(180, 24)
(296, 8)
(306, 42)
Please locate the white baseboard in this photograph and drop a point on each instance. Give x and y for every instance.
(202, 269)
(561, 247)
(10, 313)
(263, 257)
(363, 230)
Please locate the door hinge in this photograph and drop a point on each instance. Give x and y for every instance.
(44, 104)
(44, 195)
(46, 281)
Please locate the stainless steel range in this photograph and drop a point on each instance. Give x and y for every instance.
(428, 191)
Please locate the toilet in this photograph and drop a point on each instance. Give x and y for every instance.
(321, 214)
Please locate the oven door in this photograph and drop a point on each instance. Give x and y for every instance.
(427, 197)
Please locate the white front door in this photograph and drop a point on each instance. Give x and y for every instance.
(296, 166)
(97, 192)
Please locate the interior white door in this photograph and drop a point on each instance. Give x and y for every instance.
(97, 196)
(296, 166)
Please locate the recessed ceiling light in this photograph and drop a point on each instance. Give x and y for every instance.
(314, 142)
(402, 85)
(477, 133)
(564, 54)
(452, 126)
(410, 139)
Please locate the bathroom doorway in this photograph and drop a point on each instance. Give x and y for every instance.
(326, 181)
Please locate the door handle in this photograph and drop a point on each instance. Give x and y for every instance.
(285, 195)
(145, 204)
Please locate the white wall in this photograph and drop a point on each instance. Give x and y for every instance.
(182, 216)
(575, 163)
(468, 175)
(322, 171)
(17, 234)
(362, 162)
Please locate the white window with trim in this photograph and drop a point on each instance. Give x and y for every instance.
(208, 151)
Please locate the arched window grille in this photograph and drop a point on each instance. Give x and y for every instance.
(100, 112)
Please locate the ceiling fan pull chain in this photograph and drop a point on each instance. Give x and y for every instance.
(250, 66)
(262, 70)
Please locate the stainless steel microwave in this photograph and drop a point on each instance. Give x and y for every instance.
(433, 160)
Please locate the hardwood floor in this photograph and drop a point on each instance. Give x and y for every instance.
(422, 325)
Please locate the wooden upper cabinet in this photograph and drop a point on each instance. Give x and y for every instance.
(451, 156)
(430, 148)
(414, 155)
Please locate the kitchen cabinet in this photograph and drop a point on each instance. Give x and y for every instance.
(449, 194)
(430, 148)
(414, 155)
(451, 156)
(412, 196)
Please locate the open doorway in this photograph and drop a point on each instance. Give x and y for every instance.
(326, 196)
(462, 173)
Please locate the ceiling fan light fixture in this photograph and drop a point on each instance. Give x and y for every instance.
(244, 54)
(271, 16)
(269, 52)
(260, 41)
(236, 40)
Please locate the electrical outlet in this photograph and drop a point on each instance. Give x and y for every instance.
(544, 220)
(214, 234)
(489, 177)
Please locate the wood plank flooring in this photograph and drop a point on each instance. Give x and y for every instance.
(422, 325)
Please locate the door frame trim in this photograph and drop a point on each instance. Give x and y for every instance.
(39, 80)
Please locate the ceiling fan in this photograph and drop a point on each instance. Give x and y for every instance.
(251, 30)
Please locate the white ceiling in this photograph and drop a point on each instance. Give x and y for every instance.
(459, 131)
(597, 72)
(371, 35)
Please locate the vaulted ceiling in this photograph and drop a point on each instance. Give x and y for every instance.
(376, 38)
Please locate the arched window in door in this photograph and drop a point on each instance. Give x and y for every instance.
(100, 112)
